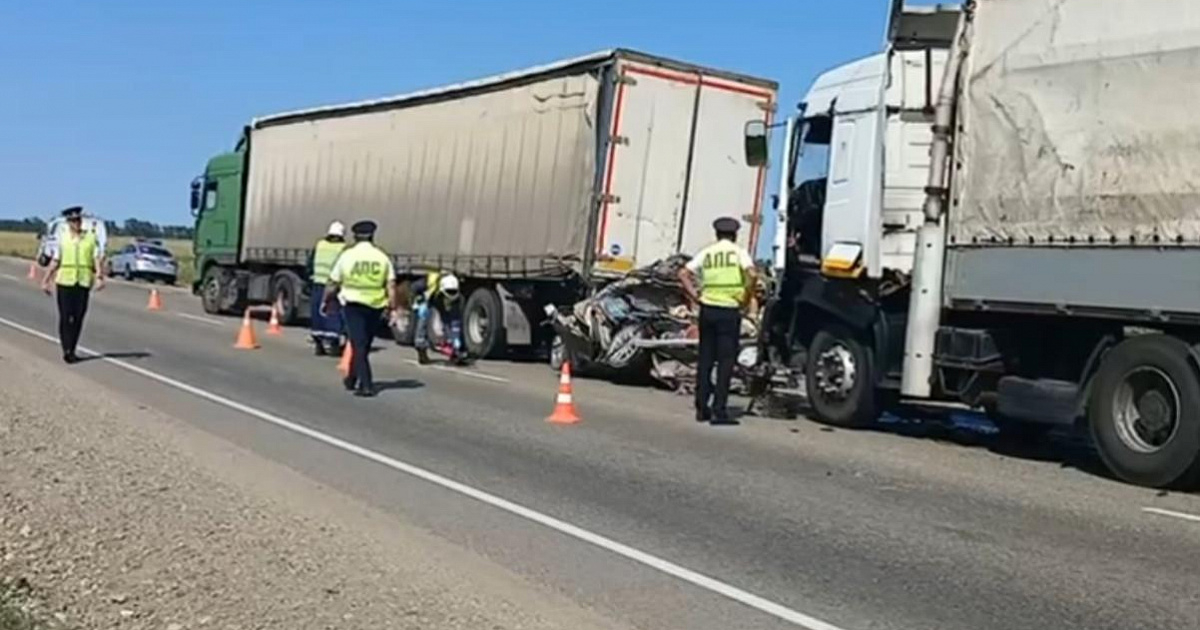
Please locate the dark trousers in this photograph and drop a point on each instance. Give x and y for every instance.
(720, 329)
(72, 306)
(361, 323)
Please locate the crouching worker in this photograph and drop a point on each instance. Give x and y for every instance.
(441, 293)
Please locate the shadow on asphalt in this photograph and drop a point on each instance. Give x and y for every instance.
(115, 355)
(404, 383)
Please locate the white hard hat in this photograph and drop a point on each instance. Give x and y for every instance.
(449, 283)
(336, 229)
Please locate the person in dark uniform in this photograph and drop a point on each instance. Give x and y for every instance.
(75, 270)
(365, 280)
(726, 274)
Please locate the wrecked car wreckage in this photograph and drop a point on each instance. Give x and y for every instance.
(641, 325)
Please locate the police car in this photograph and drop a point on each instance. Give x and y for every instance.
(147, 259)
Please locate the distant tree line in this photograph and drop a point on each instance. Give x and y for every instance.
(131, 227)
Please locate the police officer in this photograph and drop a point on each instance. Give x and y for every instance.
(365, 281)
(326, 331)
(439, 292)
(75, 269)
(726, 274)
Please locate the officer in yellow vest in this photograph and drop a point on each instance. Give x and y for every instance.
(326, 330)
(726, 274)
(365, 280)
(75, 269)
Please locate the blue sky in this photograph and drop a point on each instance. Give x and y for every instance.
(117, 104)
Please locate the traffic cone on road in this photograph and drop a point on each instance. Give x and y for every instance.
(246, 339)
(273, 327)
(344, 364)
(155, 303)
(564, 404)
(33, 270)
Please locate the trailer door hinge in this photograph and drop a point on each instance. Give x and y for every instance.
(752, 219)
(623, 140)
(767, 106)
(625, 79)
(610, 199)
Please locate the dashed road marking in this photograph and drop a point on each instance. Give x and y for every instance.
(1173, 514)
(478, 375)
(643, 558)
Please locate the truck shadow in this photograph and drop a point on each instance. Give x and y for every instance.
(115, 355)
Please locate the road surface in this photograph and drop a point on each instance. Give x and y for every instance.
(648, 519)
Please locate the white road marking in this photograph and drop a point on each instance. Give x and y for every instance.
(478, 375)
(14, 278)
(204, 320)
(1181, 515)
(641, 557)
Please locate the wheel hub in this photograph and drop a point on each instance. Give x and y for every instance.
(1146, 408)
(836, 372)
(478, 326)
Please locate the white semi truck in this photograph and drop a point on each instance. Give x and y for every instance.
(1002, 209)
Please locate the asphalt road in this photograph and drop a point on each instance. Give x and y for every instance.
(650, 519)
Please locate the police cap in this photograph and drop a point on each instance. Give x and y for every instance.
(73, 212)
(726, 225)
(364, 228)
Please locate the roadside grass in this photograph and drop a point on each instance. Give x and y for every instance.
(24, 245)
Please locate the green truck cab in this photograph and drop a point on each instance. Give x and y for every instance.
(217, 205)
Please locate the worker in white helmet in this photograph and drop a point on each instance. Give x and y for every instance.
(326, 330)
(441, 292)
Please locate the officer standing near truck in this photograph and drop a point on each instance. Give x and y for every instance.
(326, 330)
(364, 280)
(75, 269)
(726, 274)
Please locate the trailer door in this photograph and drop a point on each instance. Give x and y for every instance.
(721, 183)
(646, 176)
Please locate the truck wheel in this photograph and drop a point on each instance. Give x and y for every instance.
(483, 323)
(213, 289)
(1144, 412)
(840, 379)
(286, 288)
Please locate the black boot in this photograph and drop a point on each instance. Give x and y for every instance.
(422, 356)
(318, 348)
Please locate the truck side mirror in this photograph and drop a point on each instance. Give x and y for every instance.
(195, 201)
(756, 143)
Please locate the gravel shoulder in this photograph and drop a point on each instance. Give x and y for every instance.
(113, 515)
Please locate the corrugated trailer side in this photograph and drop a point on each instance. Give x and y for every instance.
(493, 183)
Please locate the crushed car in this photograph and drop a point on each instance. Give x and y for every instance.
(640, 326)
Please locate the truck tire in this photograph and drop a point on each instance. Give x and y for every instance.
(840, 379)
(286, 290)
(1144, 412)
(483, 323)
(216, 294)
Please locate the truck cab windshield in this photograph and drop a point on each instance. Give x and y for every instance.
(810, 173)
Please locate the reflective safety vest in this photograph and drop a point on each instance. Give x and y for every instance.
(722, 279)
(76, 259)
(364, 275)
(432, 279)
(324, 255)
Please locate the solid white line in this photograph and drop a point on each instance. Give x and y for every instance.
(1161, 512)
(478, 375)
(654, 562)
(14, 278)
(204, 320)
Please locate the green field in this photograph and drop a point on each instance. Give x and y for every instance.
(24, 245)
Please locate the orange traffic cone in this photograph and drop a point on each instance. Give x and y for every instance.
(33, 270)
(273, 327)
(246, 339)
(564, 408)
(344, 364)
(155, 303)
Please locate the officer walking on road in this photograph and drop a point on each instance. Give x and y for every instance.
(326, 330)
(726, 274)
(365, 279)
(75, 269)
